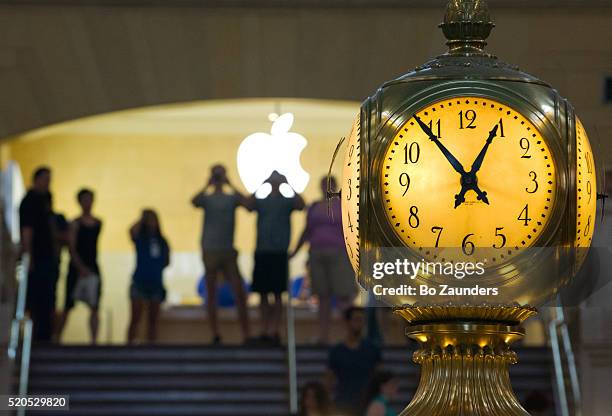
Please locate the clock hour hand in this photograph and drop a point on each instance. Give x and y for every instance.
(449, 156)
(478, 162)
(470, 182)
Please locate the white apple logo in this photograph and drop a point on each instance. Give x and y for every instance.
(260, 154)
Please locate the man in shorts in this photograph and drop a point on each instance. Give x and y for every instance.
(218, 252)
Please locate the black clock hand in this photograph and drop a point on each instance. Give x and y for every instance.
(478, 162)
(449, 156)
(470, 182)
(460, 197)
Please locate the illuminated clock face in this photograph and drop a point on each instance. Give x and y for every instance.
(350, 195)
(468, 176)
(586, 185)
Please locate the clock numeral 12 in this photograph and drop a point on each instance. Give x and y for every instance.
(470, 116)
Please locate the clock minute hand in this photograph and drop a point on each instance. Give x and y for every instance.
(449, 156)
(478, 162)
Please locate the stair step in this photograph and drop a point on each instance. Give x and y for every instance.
(74, 383)
(145, 409)
(137, 354)
(153, 368)
(176, 396)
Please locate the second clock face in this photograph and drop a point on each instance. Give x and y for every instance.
(467, 174)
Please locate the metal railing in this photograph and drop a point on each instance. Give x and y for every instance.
(292, 358)
(562, 348)
(21, 323)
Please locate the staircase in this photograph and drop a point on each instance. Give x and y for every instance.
(214, 381)
(149, 381)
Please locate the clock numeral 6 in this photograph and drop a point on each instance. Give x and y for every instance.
(524, 216)
(404, 180)
(437, 230)
(467, 246)
(414, 220)
(500, 235)
(412, 153)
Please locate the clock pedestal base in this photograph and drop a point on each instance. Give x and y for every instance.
(464, 357)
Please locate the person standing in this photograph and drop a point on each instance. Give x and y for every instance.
(271, 271)
(39, 241)
(331, 273)
(383, 389)
(83, 246)
(351, 364)
(218, 252)
(147, 291)
(314, 400)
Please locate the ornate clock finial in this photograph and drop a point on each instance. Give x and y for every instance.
(467, 25)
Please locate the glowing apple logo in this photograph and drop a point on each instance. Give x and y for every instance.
(261, 153)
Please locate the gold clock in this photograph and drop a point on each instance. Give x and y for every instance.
(586, 187)
(350, 195)
(466, 174)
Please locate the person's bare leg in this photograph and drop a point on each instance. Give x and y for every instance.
(211, 302)
(264, 307)
(324, 318)
(137, 307)
(233, 276)
(277, 315)
(62, 319)
(94, 324)
(152, 321)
